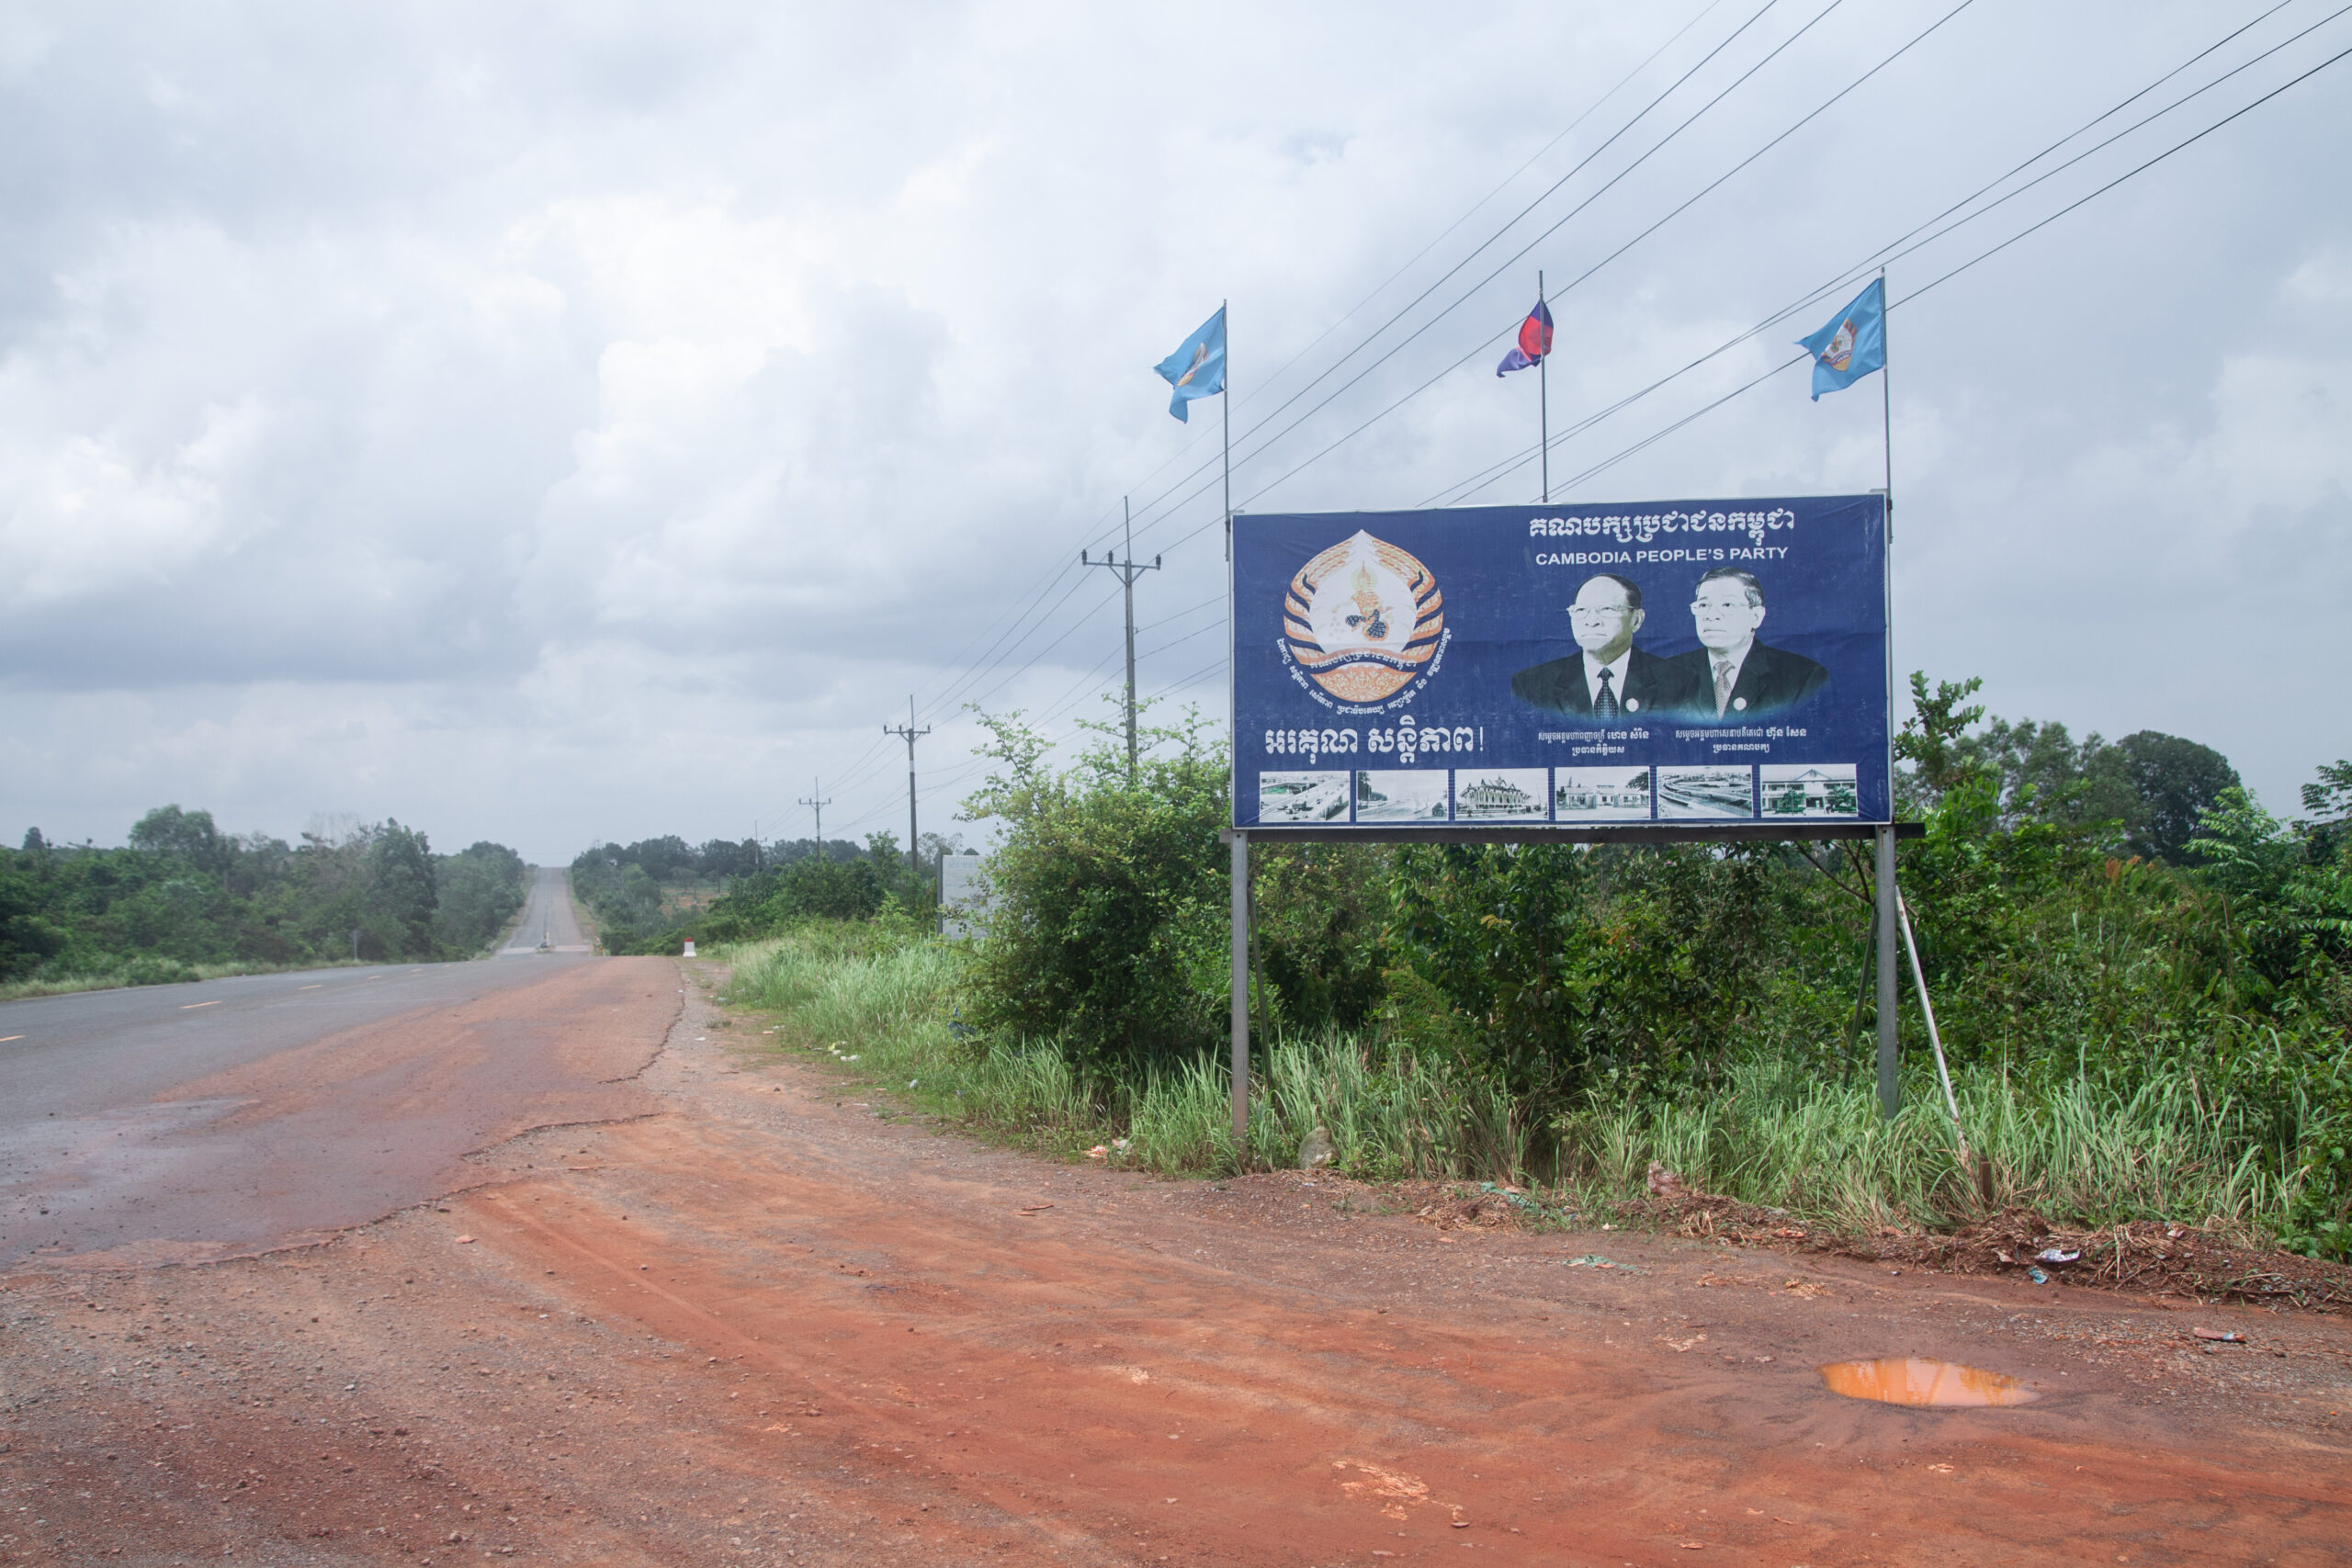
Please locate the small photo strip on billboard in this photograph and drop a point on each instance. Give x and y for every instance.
(1710, 791)
(1500, 794)
(1302, 797)
(1601, 795)
(1401, 794)
(1808, 789)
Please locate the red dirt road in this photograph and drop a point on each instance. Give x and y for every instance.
(769, 1324)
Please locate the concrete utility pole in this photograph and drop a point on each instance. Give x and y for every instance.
(1128, 572)
(908, 733)
(810, 799)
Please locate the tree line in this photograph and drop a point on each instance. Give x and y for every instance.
(650, 896)
(182, 898)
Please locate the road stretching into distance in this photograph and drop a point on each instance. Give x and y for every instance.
(549, 919)
(176, 1124)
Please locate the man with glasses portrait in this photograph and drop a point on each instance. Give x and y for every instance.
(1609, 679)
(1730, 675)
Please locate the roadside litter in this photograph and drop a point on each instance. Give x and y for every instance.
(1594, 1260)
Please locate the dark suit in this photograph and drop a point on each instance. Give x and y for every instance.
(1770, 679)
(1653, 685)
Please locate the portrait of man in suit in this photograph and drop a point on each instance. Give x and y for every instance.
(1730, 674)
(1608, 678)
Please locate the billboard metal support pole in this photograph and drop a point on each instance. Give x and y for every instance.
(1240, 998)
(1890, 1094)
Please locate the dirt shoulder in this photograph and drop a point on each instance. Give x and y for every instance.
(774, 1322)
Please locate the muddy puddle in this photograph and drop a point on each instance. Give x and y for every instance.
(1919, 1379)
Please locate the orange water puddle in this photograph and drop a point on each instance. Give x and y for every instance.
(1919, 1380)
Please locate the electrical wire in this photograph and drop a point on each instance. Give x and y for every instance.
(1904, 246)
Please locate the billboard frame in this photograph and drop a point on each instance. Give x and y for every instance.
(1883, 835)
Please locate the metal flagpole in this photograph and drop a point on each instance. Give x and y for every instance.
(1224, 306)
(1890, 1089)
(1885, 404)
(1544, 398)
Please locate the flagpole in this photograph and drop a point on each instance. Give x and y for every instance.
(1886, 403)
(1543, 397)
(1224, 306)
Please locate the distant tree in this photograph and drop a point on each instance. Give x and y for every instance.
(187, 837)
(722, 857)
(2177, 784)
(2046, 776)
(34, 843)
(401, 893)
(666, 859)
(476, 892)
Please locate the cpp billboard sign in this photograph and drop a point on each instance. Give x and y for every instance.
(1692, 662)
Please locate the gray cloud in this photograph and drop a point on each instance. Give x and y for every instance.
(543, 424)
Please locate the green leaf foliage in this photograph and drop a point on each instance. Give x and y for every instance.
(182, 895)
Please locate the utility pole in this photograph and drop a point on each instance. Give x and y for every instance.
(810, 799)
(910, 734)
(1127, 571)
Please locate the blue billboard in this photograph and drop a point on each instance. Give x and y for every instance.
(1687, 664)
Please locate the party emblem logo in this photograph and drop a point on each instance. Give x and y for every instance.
(1364, 619)
(1840, 352)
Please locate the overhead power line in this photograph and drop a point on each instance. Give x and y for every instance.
(1910, 242)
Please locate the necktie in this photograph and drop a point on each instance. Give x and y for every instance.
(1725, 678)
(1605, 705)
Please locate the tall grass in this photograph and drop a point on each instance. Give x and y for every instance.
(2083, 1150)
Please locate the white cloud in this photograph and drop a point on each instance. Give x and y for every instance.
(551, 424)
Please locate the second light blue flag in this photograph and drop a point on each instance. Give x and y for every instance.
(1852, 344)
(1197, 368)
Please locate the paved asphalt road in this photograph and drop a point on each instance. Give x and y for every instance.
(168, 1122)
(549, 920)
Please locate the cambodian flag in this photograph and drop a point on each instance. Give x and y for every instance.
(1534, 341)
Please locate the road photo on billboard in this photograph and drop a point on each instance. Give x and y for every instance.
(1402, 794)
(1565, 668)
(1303, 798)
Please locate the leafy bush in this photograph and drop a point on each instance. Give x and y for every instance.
(1108, 934)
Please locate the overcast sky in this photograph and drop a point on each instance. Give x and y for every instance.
(556, 423)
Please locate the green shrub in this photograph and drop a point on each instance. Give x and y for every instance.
(1108, 930)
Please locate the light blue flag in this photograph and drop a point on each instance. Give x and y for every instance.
(1196, 369)
(1852, 344)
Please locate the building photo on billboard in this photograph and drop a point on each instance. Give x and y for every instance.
(1500, 794)
(1818, 789)
(1601, 795)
